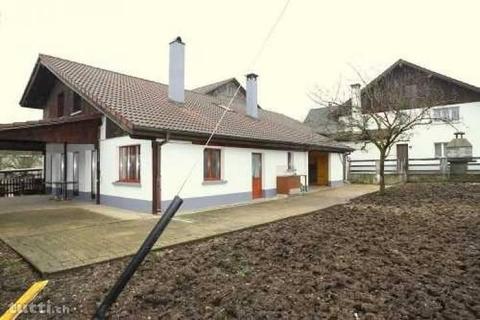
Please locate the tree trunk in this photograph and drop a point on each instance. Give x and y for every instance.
(382, 171)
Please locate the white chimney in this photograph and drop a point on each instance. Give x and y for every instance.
(356, 101)
(355, 95)
(252, 109)
(176, 84)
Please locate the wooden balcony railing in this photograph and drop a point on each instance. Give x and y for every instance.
(21, 182)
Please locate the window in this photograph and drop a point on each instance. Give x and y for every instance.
(290, 161)
(440, 149)
(212, 164)
(446, 114)
(129, 164)
(77, 103)
(60, 105)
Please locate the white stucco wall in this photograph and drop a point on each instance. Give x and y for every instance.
(335, 169)
(423, 137)
(54, 162)
(109, 165)
(179, 157)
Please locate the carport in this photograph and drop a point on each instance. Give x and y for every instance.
(62, 132)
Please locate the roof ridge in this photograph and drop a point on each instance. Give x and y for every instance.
(99, 68)
(216, 83)
(143, 106)
(192, 91)
(423, 69)
(439, 74)
(125, 74)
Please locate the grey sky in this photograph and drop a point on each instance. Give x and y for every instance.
(314, 43)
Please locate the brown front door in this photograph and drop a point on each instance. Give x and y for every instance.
(322, 169)
(257, 191)
(402, 158)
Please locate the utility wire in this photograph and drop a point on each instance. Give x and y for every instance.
(252, 64)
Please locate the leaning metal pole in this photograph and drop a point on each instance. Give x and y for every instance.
(138, 258)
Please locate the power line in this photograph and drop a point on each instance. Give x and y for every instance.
(252, 64)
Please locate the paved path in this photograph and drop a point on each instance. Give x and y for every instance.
(66, 237)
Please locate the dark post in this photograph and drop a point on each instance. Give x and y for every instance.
(154, 177)
(138, 258)
(97, 198)
(44, 183)
(65, 171)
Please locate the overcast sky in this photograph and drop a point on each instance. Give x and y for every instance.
(315, 43)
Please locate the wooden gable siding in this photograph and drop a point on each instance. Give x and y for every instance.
(415, 85)
(50, 109)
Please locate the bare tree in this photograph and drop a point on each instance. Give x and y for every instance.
(384, 112)
(20, 160)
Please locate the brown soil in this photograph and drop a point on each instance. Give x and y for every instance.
(411, 254)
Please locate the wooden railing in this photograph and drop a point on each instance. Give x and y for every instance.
(21, 182)
(415, 165)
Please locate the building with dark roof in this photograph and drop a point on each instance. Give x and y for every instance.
(130, 142)
(456, 108)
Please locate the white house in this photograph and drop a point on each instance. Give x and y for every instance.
(129, 142)
(425, 141)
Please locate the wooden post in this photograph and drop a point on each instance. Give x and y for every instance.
(155, 177)
(97, 197)
(44, 152)
(65, 158)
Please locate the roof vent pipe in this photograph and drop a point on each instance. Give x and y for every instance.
(176, 84)
(252, 104)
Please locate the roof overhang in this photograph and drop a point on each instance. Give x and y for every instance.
(41, 81)
(83, 129)
(223, 140)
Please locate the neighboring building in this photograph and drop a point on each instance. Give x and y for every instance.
(460, 113)
(141, 138)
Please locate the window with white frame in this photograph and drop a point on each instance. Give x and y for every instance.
(446, 114)
(440, 149)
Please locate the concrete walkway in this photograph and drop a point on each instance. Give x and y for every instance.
(59, 238)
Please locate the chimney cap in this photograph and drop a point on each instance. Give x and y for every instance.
(252, 75)
(355, 85)
(178, 39)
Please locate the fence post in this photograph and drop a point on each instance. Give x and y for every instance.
(377, 171)
(444, 166)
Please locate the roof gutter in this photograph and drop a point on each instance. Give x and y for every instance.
(148, 133)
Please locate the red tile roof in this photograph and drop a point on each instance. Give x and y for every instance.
(141, 104)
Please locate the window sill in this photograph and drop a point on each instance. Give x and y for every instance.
(213, 182)
(75, 113)
(127, 184)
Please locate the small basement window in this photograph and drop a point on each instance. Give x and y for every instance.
(129, 160)
(77, 103)
(212, 169)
